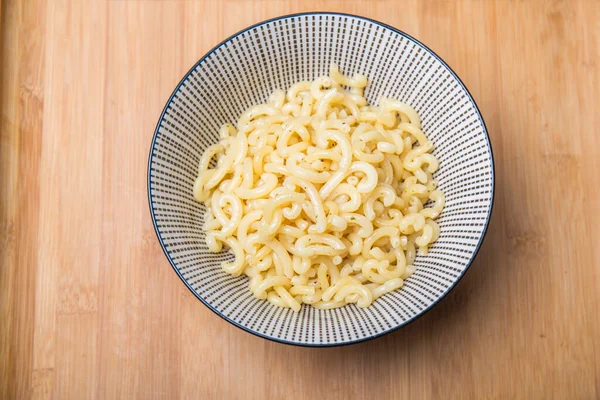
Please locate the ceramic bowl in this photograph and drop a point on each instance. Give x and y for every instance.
(242, 71)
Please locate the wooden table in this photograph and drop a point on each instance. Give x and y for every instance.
(90, 307)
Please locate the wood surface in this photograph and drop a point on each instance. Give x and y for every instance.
(89, 305)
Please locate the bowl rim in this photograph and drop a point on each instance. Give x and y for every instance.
(367, 338)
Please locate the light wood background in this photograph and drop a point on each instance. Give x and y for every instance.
(90, 307)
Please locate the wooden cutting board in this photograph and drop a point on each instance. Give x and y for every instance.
(90, 307)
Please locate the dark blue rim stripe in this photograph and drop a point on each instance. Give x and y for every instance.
(485, 229)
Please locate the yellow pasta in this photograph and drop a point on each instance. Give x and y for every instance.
(321, 197)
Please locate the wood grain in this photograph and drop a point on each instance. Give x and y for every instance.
(90, 308)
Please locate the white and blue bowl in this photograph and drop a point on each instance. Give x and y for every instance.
(242, 71)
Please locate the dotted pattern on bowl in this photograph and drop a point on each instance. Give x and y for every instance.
(243, 71)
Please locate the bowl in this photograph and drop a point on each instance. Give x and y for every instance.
(242, 71)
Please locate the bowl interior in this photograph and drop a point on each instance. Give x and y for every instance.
(243, 71)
